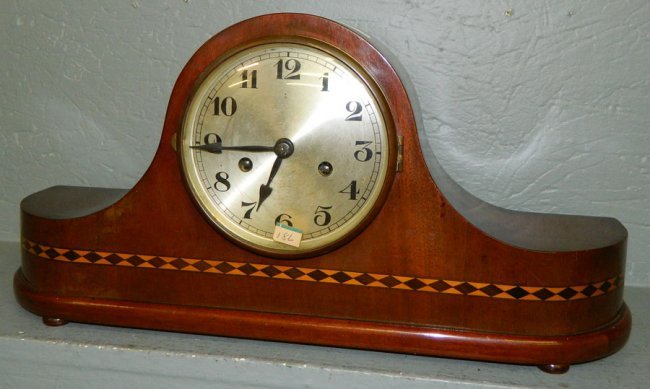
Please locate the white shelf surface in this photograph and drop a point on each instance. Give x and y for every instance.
(33, 355)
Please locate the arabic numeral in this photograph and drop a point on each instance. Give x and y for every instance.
(351, 190)
(322, 217)
(291, 65)
(365, 153)
(245, 79)
(326, 82)
(222, 184)
(247, 214)
(285, 219)
(227, 106)
(354, 107)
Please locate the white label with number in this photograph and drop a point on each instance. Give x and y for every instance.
(287, 235)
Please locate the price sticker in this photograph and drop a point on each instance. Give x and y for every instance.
(287, 235)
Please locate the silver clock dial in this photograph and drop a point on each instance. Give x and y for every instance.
(286, 134)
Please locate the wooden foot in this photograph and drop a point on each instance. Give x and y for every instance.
(54, 322)
(553, 368)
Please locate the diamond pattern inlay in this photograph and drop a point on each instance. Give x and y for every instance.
(179, 263)
(465, 288)
(317, 275)
(157, 262)
(589, 290)
(135, 260)
(390, 281)
(415, 284)
(605, 286)
(294, 273)
(517, 292)
(568, 293)
(365, 279)
(114, 259)
(71, 255)
(202, 266)
(544, 294)
(342, 277)
(51, 253)
(93, 257)
(271, 271)
(225, 267)
(440, 285)
(491, 290)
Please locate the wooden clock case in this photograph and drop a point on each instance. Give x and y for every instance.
(437, 272)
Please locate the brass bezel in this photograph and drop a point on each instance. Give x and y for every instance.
(346, 234)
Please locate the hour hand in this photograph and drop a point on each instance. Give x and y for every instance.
(265, 190)
(218, 147)
(283, 149)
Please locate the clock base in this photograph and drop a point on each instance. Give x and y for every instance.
(552, 354)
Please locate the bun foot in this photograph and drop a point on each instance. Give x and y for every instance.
(553, 368)
(54, 322)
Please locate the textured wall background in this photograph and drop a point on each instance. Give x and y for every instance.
(532, 105)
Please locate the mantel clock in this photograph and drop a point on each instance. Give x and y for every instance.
(289, 200)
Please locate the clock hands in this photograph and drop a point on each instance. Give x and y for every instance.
(283, 149)
(217, 148)
(265, 189)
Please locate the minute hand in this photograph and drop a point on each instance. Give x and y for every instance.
(217, 148)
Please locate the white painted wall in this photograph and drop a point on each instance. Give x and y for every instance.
(531, 105)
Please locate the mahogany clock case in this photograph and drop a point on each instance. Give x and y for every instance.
(437, 272)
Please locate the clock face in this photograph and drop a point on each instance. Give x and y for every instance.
(287, 148)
